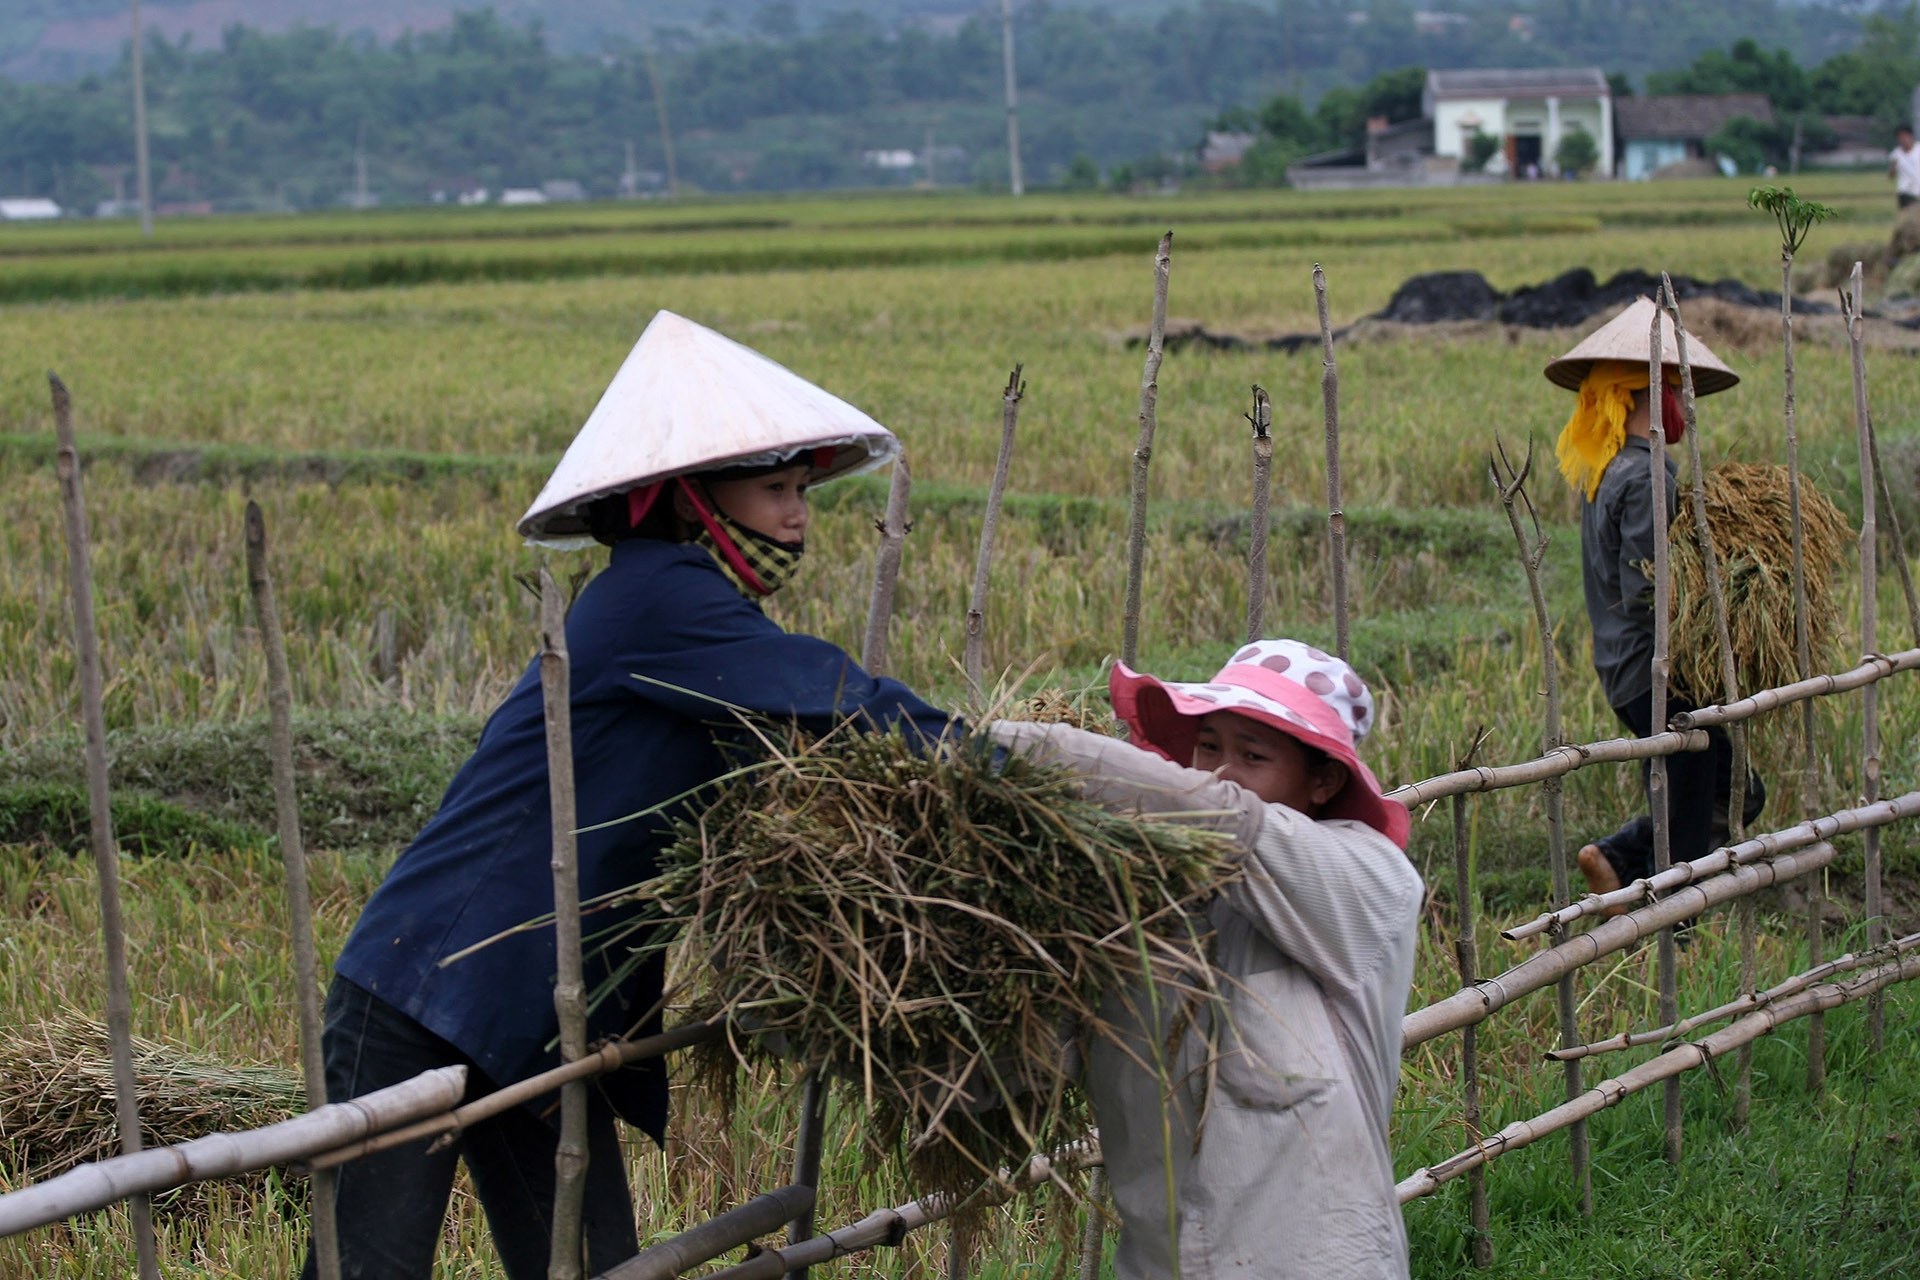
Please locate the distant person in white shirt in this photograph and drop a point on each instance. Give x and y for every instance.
(1903, 166)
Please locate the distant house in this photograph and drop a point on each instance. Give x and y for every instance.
(1668, 128)
(28, 209)
(563, 191)
(1527, 109)
(523, 195)
(1857, 143)
(889, 158)
(1223, 150)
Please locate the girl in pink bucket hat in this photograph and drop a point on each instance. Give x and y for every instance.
(1262, 1108)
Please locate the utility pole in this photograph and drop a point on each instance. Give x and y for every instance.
(140, 130)
(360, 200)
(928, 154)
(660, 110)
(630, 177)
(1013, 97)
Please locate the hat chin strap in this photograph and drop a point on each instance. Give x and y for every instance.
(729, 549)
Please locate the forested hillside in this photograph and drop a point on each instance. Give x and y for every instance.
(777, 102)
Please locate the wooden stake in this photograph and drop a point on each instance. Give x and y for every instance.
(1657, 798)
(1466, 952)
(564, 1260)
(1869, 635)
(1533, 552)
(1143, 450)
(286, 803)
(1729, 693)
(886, 569)
(1262, 420)
(1336, 517)
(106, 853)
(989, 525)
(1896, 538)
(806, 1161)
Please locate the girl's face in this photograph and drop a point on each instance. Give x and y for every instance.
(1273, 765)
(773, 505)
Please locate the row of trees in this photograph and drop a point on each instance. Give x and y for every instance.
(273, 119)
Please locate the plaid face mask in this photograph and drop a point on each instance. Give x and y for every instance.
(757, 565)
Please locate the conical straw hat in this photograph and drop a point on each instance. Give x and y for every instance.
(689, 399)
(1625, 338)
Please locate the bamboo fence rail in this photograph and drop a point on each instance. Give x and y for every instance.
(1872, 668)
(218, 1155)
(1666, 1067)
(1480, 1001)
(1747, 1001)
(1552, 764)
(762, 1215)
(1867, 817)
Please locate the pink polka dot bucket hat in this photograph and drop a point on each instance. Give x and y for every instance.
(1294, 687)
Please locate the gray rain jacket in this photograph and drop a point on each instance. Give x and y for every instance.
(1264, 1110)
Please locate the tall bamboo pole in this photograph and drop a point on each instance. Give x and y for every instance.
(106, 853)
(1143, 450)
(1466, 952)
(1336, 517)
(286, 803)
(886, 569)
(1869, 637)
(1533, 552)
(143, 171)
(1016, 180)
(1729, 692)
(1262, 420)
(569, 991)
(1803, 656)
(989, 526)
(1662, 635)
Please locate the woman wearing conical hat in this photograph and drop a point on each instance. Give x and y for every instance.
(694, 470)
(1605, 455)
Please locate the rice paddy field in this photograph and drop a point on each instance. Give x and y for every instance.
(393, 387)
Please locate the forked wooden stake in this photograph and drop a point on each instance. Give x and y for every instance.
(569, 991)
(1262, 420)
(1336, 516)
(286, 803)
(976, 655)
(1143, 451)
(886, 569)
(1729, 693)
(106, 853)
(1512, 486)
(1869, 636)
(1657, 799)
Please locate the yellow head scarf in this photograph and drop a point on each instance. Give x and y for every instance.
(1598, 426)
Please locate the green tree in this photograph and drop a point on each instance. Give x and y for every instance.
(1480, 149)
(1577, 152)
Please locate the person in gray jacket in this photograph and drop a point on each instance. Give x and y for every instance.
(1243, 1118)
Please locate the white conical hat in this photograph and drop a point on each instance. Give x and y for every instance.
(689, 399)
(1625, 338)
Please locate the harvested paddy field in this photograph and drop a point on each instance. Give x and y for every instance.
(393, 389)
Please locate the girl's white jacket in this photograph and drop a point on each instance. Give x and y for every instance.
(1245, 1134)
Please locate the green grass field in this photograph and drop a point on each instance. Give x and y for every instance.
(394, 427)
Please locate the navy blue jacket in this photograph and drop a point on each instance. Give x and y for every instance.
(662, 611)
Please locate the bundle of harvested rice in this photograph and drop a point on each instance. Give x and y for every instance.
(57, 1101)
(927, 930)
(1748, 512)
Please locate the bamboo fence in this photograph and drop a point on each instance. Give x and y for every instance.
(429, 1106)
